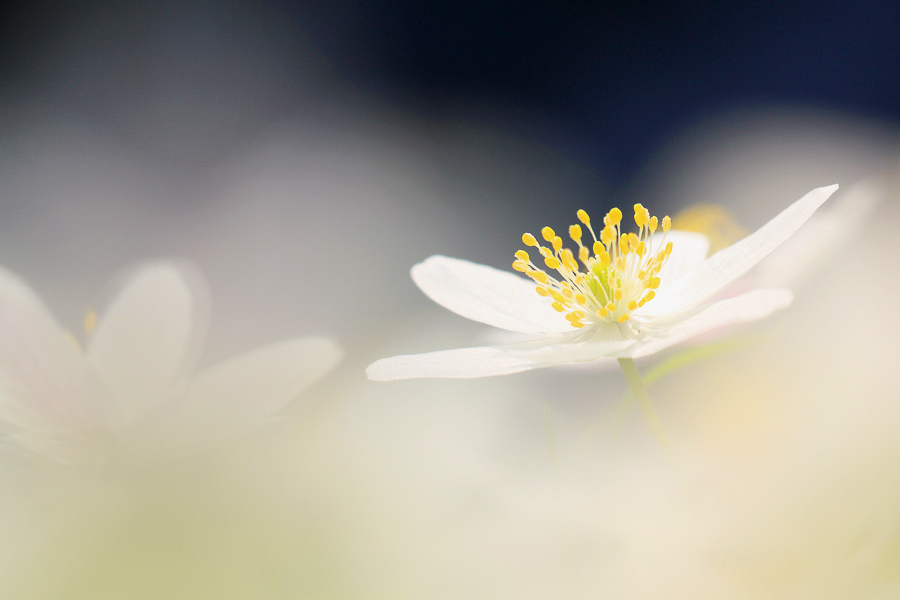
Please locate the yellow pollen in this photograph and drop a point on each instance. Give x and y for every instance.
(607, 235)
(538, 276)
(641, 215)
(615, 216)
(583, 217)
(547, 234)
(612, 276)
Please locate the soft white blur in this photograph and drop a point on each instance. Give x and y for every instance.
(174, 139)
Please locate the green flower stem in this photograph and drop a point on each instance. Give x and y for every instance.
(633, 377)
(686, 358)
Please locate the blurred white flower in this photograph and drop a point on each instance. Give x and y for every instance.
(131, 393)
(637, 295)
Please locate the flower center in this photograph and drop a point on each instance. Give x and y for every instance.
(617, 274)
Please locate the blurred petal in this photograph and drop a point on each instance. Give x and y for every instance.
(817, 242)
(487, 295)
(46, 382)
(727, 265)
(485, 361)
(751, 306)
(146, 342)
(239, 395)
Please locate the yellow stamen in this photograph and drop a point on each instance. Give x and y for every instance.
(547, 234)
(614, 216)
(641, 216)
(583, 217)
(619, 274)
(607, 235)
(538, 276)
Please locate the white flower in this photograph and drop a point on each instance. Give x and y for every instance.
(131, 392)
(624, 295)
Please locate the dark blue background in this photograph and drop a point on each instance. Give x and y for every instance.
(609, 82)
(603, 83)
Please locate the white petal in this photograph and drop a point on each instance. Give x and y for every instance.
(486, 361)
(487, 295)
(240, 395)
(751, 306)
(727, 265)
(817, 242)
(47, 384)
(689, 250)
(148, 340)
